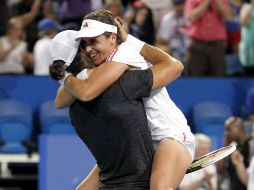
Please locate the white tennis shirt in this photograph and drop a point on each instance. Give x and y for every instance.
(164, 117)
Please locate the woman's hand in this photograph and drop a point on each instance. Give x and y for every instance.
(122, 34)
(236, 158)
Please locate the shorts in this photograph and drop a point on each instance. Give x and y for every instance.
(186, 139)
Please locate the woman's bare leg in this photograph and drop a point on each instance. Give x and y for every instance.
(170, 163)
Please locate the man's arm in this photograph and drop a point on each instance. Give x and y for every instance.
(165, 68)
(28, 17)
(198, 11)
(224, 9)
(63, 98)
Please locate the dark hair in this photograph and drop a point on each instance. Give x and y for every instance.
(102, 15)
(76, 66)
(57, 69)
(146, 31)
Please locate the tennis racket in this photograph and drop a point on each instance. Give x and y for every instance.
(210, 158)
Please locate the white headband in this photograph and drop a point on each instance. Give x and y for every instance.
(92, 28)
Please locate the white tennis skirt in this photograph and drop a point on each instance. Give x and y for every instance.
(186, 138)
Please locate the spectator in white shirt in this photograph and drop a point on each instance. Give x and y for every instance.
(48, 28)
(171, 35)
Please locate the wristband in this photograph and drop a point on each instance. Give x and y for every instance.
(135, 43)
(82, 75)
(65, 76)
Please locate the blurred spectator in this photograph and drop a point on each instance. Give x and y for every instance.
(233, 133)
(74, 11)
(207, 49)
(51, 9)
(48, 28)
(115, 7)
(158, 8)
(246, 48)
(129, 12)
(233, 26)
(171, 35)
(4, 13)
(14, 57)
(246, 175)
(206, 178)
(96, 4)
(28, 11)
(142, 25)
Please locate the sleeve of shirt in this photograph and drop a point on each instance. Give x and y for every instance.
(137, 83)
(127, 55)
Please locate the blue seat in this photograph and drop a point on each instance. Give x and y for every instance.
(210, 112)
(15, 126)
(55, 121)
(3, 95)
(209, 118)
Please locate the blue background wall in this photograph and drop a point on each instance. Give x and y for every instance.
(185, 92)
(30, 89)
(64, 162)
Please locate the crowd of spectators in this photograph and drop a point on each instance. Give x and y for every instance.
(210, 37)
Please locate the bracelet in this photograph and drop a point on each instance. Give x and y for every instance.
(135, 42)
